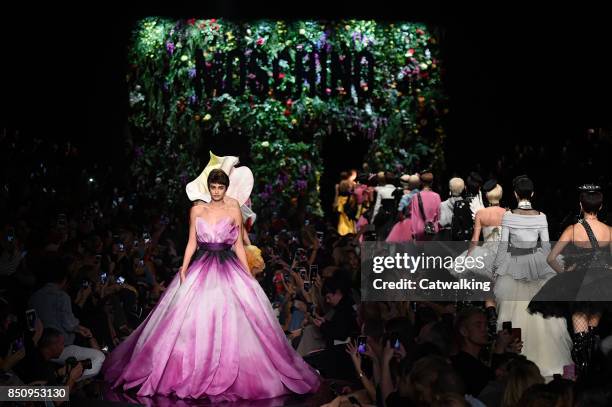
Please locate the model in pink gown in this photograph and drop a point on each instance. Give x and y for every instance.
(215, 336)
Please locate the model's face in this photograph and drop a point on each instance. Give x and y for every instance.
(217, 191)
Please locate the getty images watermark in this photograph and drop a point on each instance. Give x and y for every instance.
(412, 264)
(461, 271)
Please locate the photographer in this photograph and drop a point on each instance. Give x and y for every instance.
(54, 308)
(39, 366)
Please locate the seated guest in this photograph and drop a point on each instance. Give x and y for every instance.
(333, 332)
(471, 326)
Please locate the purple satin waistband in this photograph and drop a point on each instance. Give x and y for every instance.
(215, 247)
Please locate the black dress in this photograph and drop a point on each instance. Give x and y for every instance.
(587, 289)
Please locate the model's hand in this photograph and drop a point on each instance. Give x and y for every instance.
(181, 275)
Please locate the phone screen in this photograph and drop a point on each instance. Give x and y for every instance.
(17, 345)
(314, 271)
(103, 278)
(507, 326)
(516, 333)
(361, 344)
(120, 280)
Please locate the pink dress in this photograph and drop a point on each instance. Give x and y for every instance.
(401, 232)
(431, 206)
(215, 336)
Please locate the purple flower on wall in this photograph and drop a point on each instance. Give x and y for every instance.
(170, 47)
(183, 178)
(192, 72)
(301, 184)
(193, 99)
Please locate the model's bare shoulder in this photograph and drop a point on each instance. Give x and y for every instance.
(232, 202)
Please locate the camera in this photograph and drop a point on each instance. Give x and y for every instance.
(103, 278)
(72, 362)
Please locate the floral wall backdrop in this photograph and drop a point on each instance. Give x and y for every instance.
(284, 86)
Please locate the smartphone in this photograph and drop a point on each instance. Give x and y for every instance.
(85, 284)
(141, 263)
(303, 273)
(17, 345)
(569, 372)
(361, 344)
(354, 401)
(314, 272)
(103, 278)
(394, 340)
(120, 280)
(516, 333)
(31, 319)
(311, 309)
(333, 386)
(10, 234)
(306, 285)
(507, 326)
(146, 237)
(121, 247)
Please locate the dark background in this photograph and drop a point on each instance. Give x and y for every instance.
(515, 77)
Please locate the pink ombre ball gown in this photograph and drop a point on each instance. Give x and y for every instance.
(215, 336)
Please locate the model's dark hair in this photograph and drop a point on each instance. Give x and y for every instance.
(523, 186)
(473, 183)
(591, 201)
(218, 176)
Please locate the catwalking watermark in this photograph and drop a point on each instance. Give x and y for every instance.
(461, 271)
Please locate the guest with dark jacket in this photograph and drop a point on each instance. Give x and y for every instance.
(333, 361)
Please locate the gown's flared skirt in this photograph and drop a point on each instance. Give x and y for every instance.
(215, 336)
(546, 341)
(587, 290)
